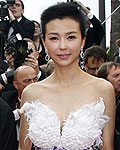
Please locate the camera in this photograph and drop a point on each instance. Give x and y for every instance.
(4, 22)
(7, 77)
(18, 49)
(4, 8)
(10, 45)
(21, 52)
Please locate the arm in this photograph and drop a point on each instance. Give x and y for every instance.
(95, 22)
(87, 11)
(24, 141)
(98, 29)
(108, 131)
(25, 28)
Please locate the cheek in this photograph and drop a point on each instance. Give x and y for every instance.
(19, 11)
(22, 87)
(51, 47)
(75, 46)
(112, 81)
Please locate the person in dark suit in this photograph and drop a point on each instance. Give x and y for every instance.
(8, 135)
(20, 24)
(95, 34)
(95, 31)
(94, 56)
(111, 72)
(10, 93)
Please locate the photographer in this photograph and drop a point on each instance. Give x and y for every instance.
(9, 93)
(12, 22)
(95, 31)
(18, 23)
(28, 56)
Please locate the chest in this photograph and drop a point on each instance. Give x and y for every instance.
(66, 100)
(80, 130)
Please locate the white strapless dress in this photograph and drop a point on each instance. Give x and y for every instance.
(81, 131)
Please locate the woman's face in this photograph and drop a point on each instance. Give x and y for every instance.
(63, 40)
(37, 29)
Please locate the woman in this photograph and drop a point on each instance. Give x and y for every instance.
(39, 44)
(69, 110)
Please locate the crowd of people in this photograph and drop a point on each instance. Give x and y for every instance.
(57, 89)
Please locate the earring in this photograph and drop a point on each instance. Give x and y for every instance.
(81, 52)
(47, 57)
(80, 61)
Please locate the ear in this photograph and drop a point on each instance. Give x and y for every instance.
(22, 11)
(43, 42)
(85, 66)
(83, 42)
(15, 84)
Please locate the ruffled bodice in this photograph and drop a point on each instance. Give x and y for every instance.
(81, 131)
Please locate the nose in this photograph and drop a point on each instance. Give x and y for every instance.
(63, 44)
(119, 77)
(32, 81)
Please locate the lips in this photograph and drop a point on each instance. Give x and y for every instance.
(63, 56)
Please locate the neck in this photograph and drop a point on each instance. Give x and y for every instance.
(117, 93)
(19, 95)
(65, 76)
(36, 39)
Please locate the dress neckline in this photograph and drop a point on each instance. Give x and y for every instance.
(62, 125)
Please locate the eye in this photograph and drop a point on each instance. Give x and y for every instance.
(54, 38)
(71, 37)
(17, 5)
(116, 75)
(10, 5)
(35, 79)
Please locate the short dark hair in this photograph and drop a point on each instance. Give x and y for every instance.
(96, 52)
(103, 70)
(22, 4)
(34, 21)
(61, 11)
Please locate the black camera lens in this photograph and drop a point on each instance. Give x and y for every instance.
(7, 77)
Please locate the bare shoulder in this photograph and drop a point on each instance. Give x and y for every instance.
(98, 84)
(103, 85)
(101, 88)
(106, 90)
(34, 91)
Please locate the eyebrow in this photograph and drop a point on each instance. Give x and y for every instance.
(55, 33)
(30, 78)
